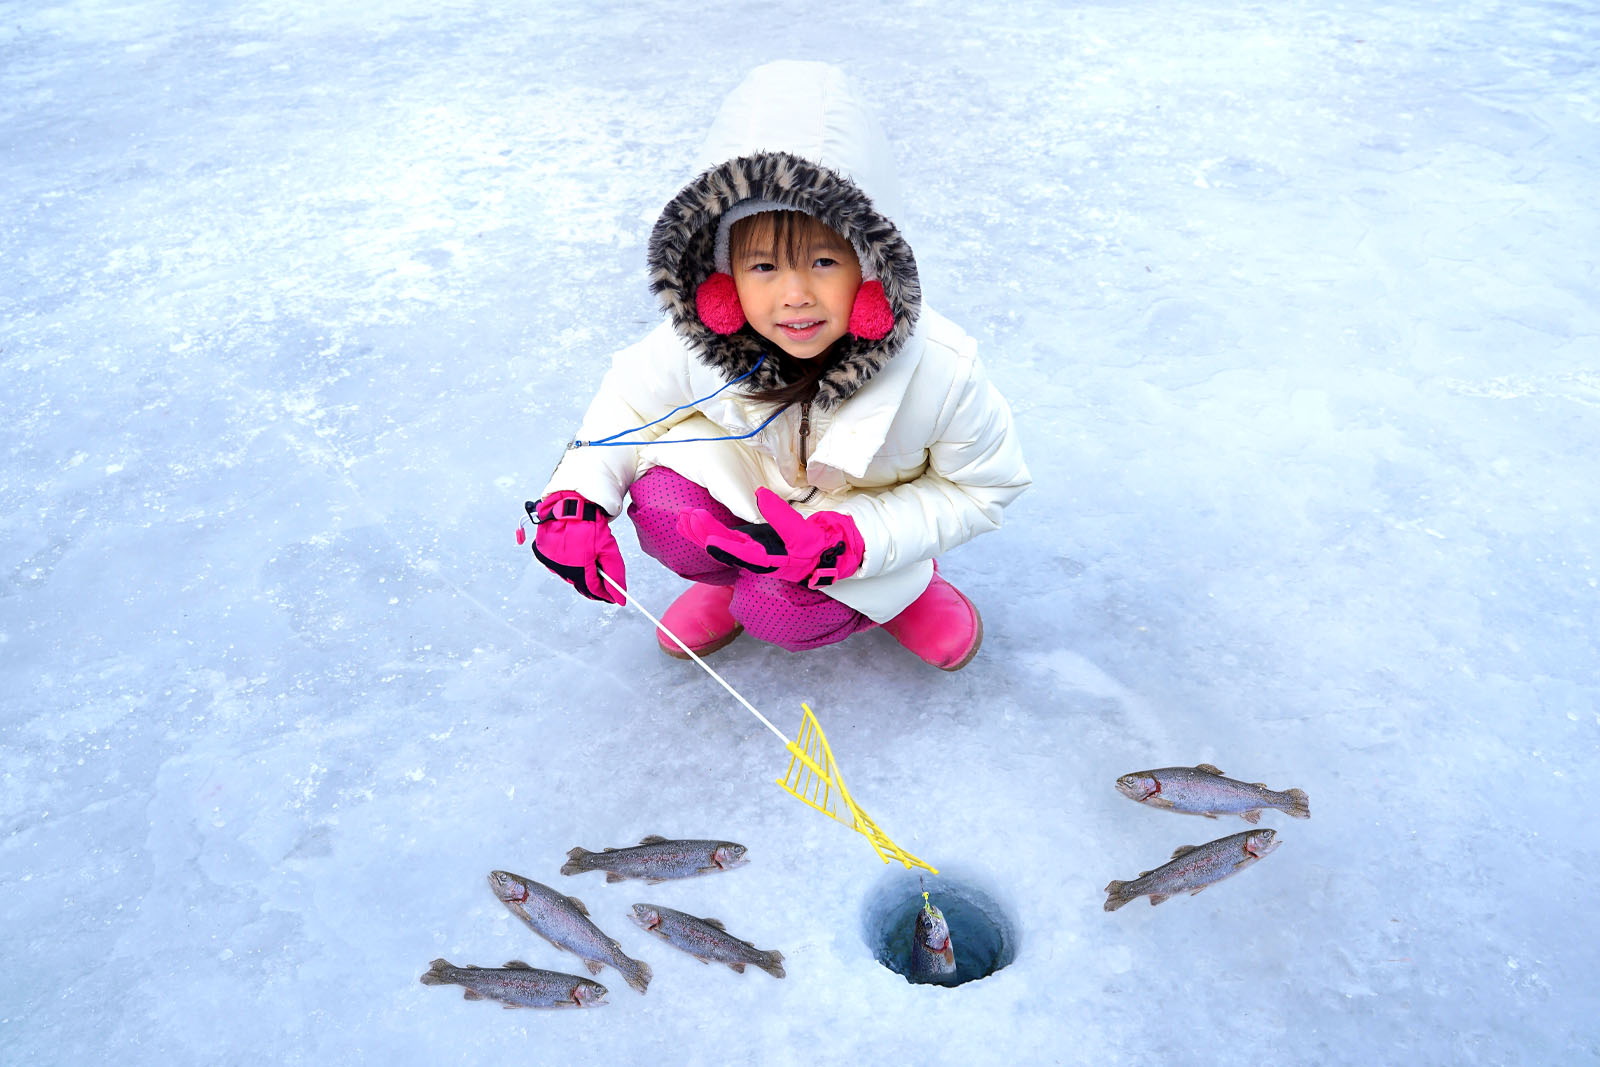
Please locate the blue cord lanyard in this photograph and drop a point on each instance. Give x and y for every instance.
(614, 443)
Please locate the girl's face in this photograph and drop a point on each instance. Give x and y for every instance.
(799, 295)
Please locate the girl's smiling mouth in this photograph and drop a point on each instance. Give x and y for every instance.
(801, 329)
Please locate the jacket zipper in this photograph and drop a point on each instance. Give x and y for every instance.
(805, 431)
(805, 436)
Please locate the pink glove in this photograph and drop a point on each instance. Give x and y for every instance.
(573, 538)
(816, 550)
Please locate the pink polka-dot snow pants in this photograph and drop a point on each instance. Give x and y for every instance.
(782, 613)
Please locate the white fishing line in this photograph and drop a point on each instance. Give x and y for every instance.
(679, 642)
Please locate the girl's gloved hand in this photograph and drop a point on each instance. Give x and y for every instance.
(573, 538)
(817, 551)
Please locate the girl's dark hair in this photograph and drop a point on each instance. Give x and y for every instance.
(793, 235)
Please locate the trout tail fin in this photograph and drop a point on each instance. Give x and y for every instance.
(1117, 895)
(772, 963)
(1299, 804)
(637, 972)
(577, 861)
(436, 972)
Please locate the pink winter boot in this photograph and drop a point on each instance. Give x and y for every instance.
(942, 626)
(701, 619)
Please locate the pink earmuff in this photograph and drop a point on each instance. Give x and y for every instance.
(870, 316)
(717, 301)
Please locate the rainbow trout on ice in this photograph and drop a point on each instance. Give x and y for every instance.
(564, 922)
(516, 985)
(933, 957)
(707, 940)
(1193, 867)
(1202, 790)
(655, 859)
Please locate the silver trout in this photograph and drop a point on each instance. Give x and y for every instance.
(564, 922)
(1193, 867)
(516, 985)
(1202, 790)
(655, 859)
(707, 940)
(933, 957)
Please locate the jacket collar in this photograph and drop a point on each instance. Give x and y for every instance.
(859, 428)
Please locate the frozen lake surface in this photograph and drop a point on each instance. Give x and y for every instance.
(1299, 313)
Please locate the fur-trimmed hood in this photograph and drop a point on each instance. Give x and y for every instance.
(792, 132)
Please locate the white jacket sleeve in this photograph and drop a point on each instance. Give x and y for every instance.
(975, 468)
(646, 381)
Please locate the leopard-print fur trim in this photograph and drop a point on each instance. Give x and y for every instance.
(681, 256)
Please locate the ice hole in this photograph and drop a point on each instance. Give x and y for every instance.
(982, 934)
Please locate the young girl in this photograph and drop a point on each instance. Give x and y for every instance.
(804, 435)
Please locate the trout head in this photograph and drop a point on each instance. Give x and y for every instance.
(932, 931)
(728, 855)
(508, 887)
(588, 994)
(1140, 787)
(1260, 843)
(646, 916)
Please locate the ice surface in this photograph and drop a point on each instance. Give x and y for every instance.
(1298, 309)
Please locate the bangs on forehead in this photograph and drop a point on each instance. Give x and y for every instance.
(790, 236)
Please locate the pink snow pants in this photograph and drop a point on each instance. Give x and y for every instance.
(782, 613)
